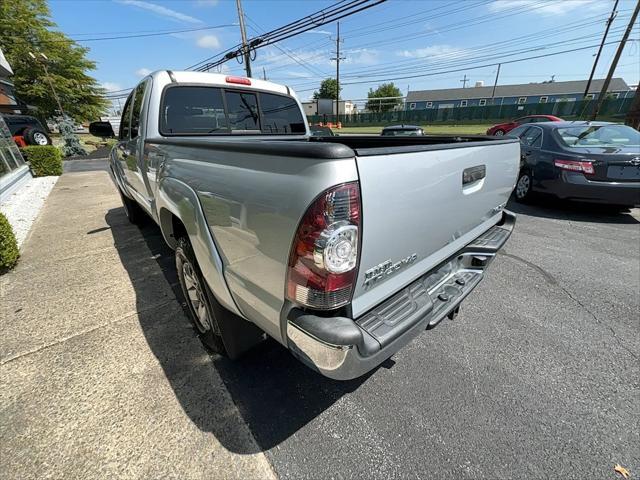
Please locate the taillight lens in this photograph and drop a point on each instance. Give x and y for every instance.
(575, 166)
(324, 255)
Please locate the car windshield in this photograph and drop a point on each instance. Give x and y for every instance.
(599, 136)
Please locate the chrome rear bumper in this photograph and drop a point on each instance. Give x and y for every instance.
(342, 348)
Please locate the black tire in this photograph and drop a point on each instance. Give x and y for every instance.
(522, 192)
(499, 133)
(134, 212)
(36, 136)
(198, 298)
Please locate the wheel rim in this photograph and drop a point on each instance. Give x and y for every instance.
(499, 133)
(522, 188)
(40, 138)
(195, 296)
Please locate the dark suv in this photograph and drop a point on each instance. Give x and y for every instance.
(27, 130)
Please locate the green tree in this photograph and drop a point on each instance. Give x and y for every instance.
(384, 90)
(328, 89)
(26, 26)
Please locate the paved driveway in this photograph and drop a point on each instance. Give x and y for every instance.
(537, 378)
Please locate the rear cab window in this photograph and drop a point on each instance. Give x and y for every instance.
(210, 110)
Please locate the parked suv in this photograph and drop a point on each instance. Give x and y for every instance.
(27, 130)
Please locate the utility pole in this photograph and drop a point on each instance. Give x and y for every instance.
(245, 48)
(464, 81)
(614, 63)
(614, 12)
(495, 84)
(264, 74)
(43, 60)
(337, 58)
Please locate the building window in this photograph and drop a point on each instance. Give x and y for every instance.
(614, 95)
(590, 96)
(482, 102)
(463, 103)
(544, 99)
(522, 100)
(429, 104)
(412, 106)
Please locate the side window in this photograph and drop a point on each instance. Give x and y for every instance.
(523, 120)
(280, 114)
(519, 131)
(242, 110)
(532, 137)
(137, 109)
(126, 116)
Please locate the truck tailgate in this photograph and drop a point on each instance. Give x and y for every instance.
(417, 210)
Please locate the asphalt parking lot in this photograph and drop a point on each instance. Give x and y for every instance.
(537, 378)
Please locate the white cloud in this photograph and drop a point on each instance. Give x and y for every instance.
(361, 56)
(548, 7)
(143, 72)
(111, 86)
(208, 41)
(321, 32)
(434, 52)
(160, 10)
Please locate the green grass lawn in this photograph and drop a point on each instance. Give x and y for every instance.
(429, 129)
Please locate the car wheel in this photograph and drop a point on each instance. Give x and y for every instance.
(197, 297)
(132, 209)
(35, 136)
(523, 187)
(499, 133)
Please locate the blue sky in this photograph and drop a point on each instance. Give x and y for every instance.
(436, 42)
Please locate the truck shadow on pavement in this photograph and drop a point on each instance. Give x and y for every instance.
(275, 394)
(549, 207)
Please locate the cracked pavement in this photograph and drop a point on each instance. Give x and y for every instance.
(102, 375)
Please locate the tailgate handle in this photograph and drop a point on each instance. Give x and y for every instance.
(473, 174)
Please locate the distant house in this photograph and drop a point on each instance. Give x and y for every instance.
(346, 107)
(8, 102)
(526, 93)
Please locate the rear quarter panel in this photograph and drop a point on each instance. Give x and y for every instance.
(253, 204)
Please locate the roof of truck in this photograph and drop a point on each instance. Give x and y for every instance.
(221, 80)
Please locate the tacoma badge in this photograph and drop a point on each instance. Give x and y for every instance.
(386, 269)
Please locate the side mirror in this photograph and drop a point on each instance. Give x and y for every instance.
(101, 129)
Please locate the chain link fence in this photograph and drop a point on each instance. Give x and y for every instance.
(612, 110)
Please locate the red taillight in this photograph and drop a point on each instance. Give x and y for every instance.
(238, 80)
(575, 166)
(324, 255)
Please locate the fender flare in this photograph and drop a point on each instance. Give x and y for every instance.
(176, 198)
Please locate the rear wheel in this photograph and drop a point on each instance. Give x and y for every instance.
(523, 187)
(198, 297)
(499, 133)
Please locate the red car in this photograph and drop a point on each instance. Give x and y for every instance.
(503, 128)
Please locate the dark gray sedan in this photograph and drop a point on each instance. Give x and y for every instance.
(586, 161)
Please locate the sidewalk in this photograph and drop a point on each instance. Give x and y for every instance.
(101, 374)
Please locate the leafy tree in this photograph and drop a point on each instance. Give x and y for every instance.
(328, 89)
(26, 26)
(384, 90)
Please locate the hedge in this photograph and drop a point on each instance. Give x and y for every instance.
(9, 252)
(45, 160)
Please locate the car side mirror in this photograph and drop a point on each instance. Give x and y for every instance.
(101, 129)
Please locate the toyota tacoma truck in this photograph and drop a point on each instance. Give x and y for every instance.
(343, 248)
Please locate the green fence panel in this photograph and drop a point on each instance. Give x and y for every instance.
(612, 109)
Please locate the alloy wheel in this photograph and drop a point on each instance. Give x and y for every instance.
(196, 297)
(523, 186)
(40, 138)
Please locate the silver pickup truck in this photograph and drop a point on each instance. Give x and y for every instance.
(341, 248)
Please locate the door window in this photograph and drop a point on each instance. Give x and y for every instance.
(137, 109)
(532, 137)
(126, 117)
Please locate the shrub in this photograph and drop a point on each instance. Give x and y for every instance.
(45, 160)
(9, 252)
